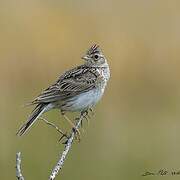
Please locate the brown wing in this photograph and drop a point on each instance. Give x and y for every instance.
(71, 83)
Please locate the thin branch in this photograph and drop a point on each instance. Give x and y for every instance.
(18, 166)
(68, 145)
(53, 125)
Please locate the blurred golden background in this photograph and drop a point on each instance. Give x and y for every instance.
(136, 127)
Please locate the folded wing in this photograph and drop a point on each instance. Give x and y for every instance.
(71, 83)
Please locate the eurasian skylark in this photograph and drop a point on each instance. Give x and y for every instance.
(78, 89)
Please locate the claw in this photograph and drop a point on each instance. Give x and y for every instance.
(65, 142)
(85, 114)
(64, 136)
(77, 134)
(92, 112)
(81, 124)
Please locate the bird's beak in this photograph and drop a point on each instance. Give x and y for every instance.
(86, 57)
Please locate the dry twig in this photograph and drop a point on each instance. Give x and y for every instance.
(68, 145)
(18, 166)
(53, 125)
(62, 158)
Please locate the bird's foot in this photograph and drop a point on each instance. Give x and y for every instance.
(64, 136)
(77, 133)
(85, 115)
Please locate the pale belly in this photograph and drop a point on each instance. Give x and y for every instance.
(83, 101)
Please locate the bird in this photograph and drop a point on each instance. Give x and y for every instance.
(76, 90)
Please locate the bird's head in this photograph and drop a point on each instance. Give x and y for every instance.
(94, 57)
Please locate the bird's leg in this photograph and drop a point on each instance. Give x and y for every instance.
(63, 135)
(72, 125)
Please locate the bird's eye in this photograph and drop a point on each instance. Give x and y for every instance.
(96, 56)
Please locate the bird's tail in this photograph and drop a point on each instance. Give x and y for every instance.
(36, 113)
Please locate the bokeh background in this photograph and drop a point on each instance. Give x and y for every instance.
(136, 126)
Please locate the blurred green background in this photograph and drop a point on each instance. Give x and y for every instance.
(136, 126)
